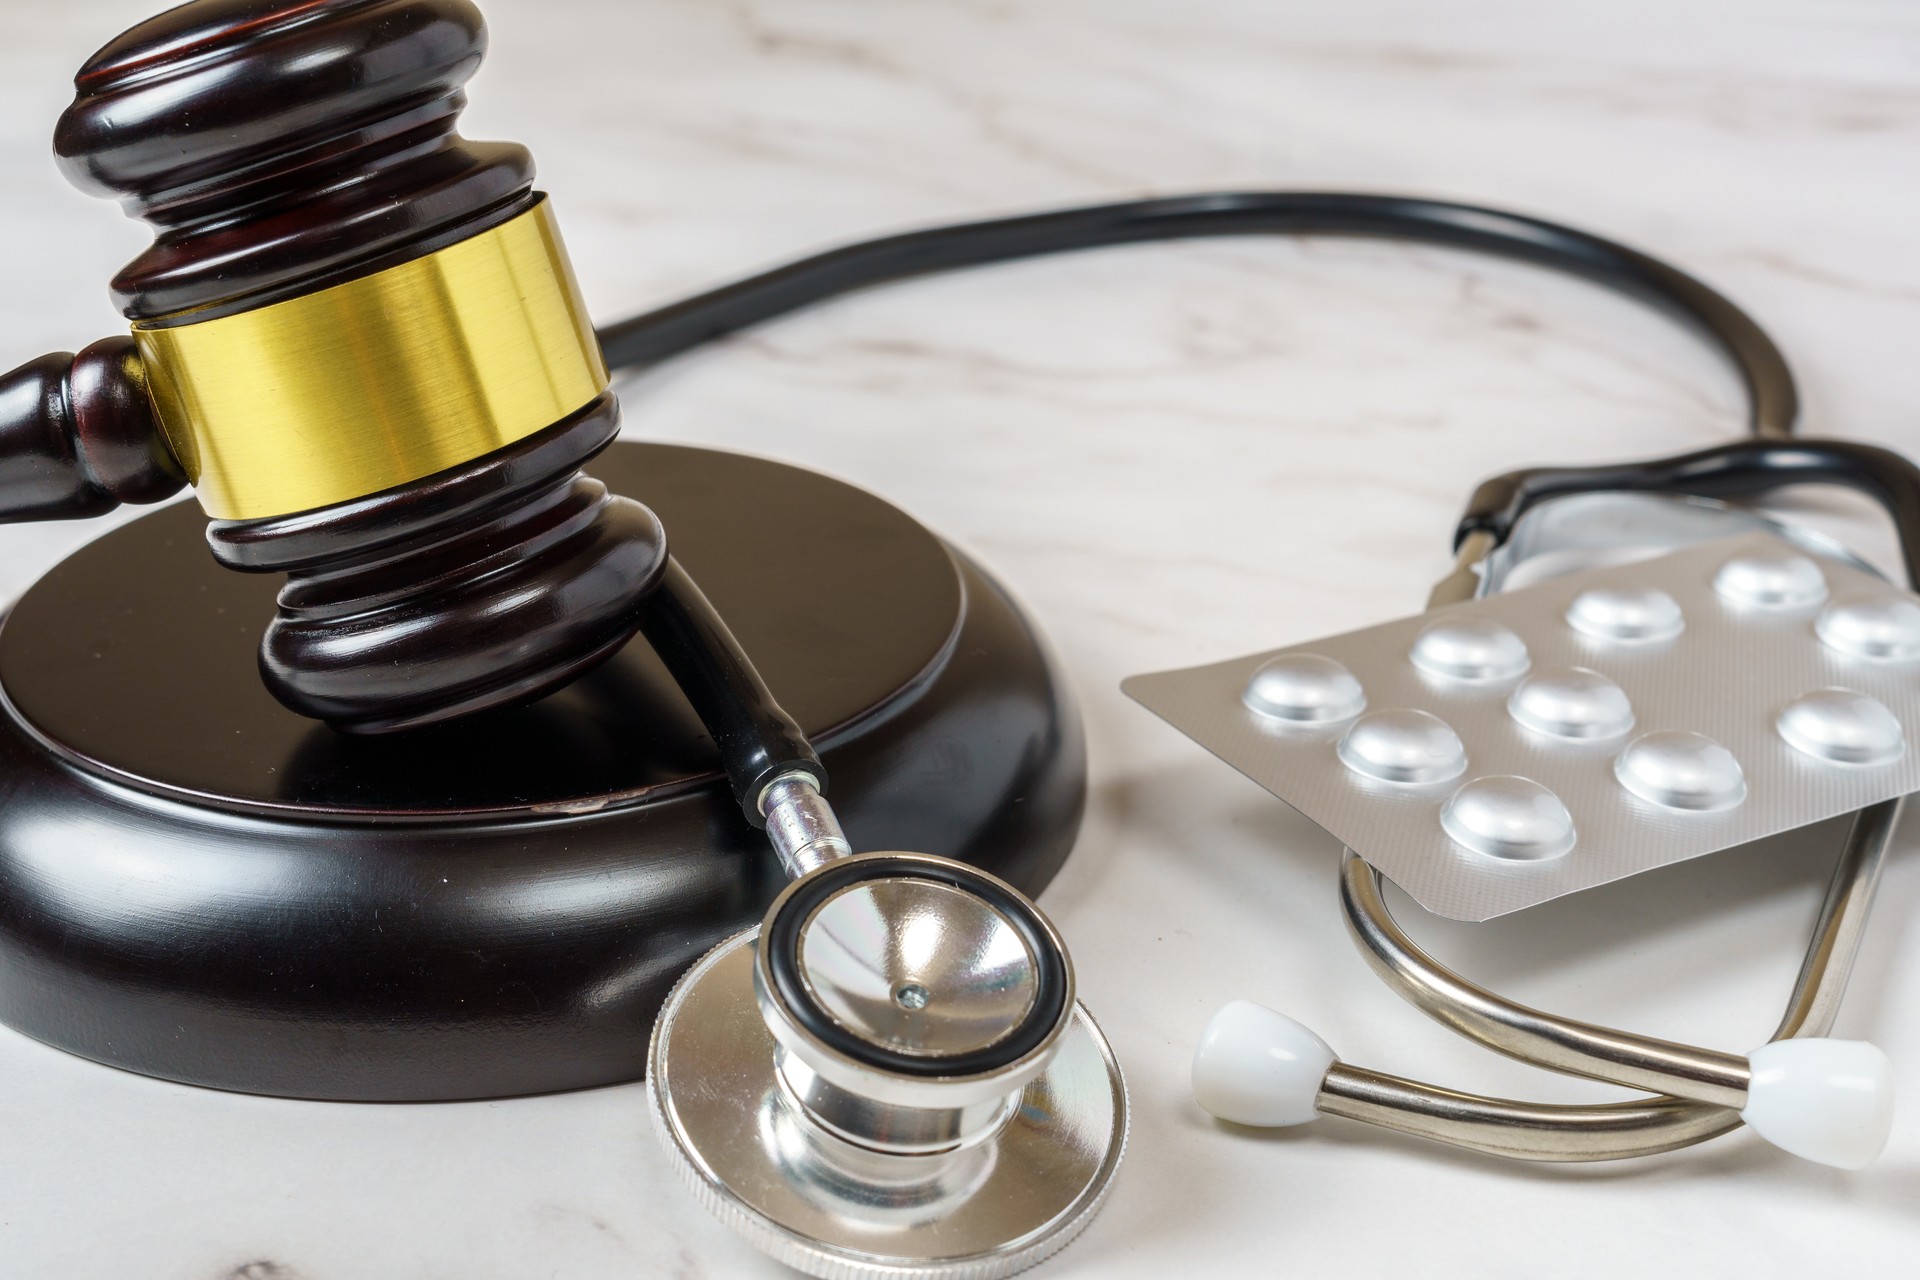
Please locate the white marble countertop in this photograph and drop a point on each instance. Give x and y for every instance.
(1172, 454)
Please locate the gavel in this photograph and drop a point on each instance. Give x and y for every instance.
(357, 336)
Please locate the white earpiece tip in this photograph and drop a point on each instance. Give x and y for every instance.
(1829, 1101)
(1255, 1066)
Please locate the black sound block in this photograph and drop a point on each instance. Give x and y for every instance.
(196, 883)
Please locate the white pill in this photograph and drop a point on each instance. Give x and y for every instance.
(1841, 725)
(1771, 580)
(1305, 688)
(1626, 613)
(1507, 817)
(1572, 702)
(1681, 770)
(1403, 746)
(1885, 627)
(1470, 649)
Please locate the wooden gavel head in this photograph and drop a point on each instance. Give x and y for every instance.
(357, 335)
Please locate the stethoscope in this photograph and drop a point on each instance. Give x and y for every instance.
(891, 1074)
(1830, 1101)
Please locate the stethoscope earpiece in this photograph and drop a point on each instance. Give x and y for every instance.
(1257, 1067)
(891, 1076)
(1829, 1101)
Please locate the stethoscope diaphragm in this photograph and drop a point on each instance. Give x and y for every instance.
(891, 1076)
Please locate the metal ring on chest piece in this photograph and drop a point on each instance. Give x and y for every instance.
(891, 1076)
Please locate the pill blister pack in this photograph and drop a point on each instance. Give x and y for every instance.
(1501, 752)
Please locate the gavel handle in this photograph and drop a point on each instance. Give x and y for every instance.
(78, 436)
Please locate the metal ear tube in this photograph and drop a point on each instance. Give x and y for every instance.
(1830, 1101)
(1255, 1066)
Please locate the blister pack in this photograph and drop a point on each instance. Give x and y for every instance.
(1501, 752)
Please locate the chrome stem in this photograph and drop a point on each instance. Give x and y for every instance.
(801, 824)
(888, 1127)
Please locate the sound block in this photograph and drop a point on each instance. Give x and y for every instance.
(195, 883)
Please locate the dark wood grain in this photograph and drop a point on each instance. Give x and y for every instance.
(197, 884)
(278, 147)
(490, 584)
(77, 436)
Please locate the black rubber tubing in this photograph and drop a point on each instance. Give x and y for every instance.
(1773, 402)
(757, 739)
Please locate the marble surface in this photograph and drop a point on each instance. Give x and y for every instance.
(1173, 454)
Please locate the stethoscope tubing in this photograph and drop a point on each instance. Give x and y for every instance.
(1772, 399)
(1703, 1089)
(759, 742)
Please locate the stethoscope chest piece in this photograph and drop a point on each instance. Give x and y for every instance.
(891, 1076)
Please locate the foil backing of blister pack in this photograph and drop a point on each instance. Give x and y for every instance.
(1729, 674)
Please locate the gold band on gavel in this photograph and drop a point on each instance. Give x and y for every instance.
(379, 381)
